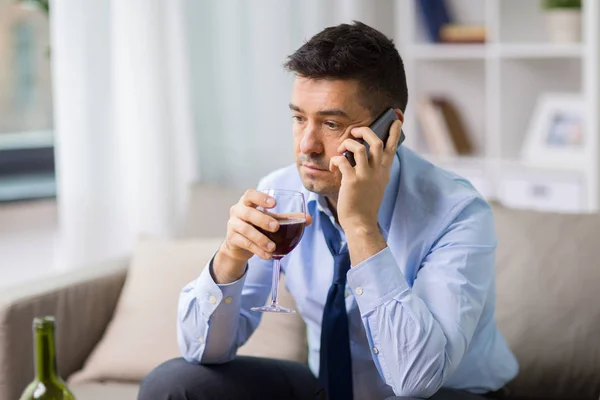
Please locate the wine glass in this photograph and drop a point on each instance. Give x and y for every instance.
(290, 212)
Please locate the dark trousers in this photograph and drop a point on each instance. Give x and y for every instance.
(245, 378)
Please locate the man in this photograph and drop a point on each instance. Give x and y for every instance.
(420, 287)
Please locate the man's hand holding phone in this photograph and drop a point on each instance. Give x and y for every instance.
(363, 186)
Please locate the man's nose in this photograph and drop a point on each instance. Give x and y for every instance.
(311, 141)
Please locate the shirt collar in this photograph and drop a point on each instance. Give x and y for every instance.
(317, 202)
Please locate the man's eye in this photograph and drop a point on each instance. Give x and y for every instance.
(297, 118)
(332, 125)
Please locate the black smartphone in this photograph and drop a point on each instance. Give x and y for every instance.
(381, 127)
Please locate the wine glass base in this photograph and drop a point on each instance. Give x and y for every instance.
(274, 309)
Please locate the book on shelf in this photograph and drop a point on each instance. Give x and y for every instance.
(456, 126)
(442, 27)
(434, 129)
(443, 128)
(461, 33)
(434, 14)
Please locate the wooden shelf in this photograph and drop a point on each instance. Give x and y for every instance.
(458, 161)
(448, 51)
(540, 50)
(483, 51)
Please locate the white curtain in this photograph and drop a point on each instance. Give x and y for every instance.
(144, 88)
(123, 121)
(240, 90)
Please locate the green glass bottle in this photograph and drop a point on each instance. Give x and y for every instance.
(47, 385)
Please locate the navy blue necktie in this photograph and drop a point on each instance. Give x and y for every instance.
(335, 370)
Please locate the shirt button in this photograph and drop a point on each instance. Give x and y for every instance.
(228, 300)
(212, 299)
(346, 293)
(375, 350)
(201, 340)
(359, 290)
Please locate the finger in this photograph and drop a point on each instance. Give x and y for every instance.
(255, 217)
(359, 150)
(375, 143)
(254, 198)
(392, 143)
(256, 241)
(341, 163)
(309, 220)
(234, 239)
(295, 216)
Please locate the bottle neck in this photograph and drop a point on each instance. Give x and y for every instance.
(45, 354)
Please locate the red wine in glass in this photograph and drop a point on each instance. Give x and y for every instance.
(287, 237)
(290, 212)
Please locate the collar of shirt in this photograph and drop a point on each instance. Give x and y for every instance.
(316, 202)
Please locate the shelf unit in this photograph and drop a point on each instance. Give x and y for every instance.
(496, 86)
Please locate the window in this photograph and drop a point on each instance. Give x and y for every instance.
(26, 125)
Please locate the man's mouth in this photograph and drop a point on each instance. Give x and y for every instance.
(314, 168)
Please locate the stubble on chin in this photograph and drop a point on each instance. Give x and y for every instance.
(321, 187)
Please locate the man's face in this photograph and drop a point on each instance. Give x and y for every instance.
(324, 113)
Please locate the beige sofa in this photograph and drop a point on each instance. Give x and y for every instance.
(548, 307)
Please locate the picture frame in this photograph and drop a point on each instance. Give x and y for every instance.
(556, 134)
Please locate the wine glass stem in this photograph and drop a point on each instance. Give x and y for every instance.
(275, 288)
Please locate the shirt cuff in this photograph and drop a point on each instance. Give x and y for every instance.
(376, 280)
(218, 297)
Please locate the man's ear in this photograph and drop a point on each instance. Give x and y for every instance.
(399, 114)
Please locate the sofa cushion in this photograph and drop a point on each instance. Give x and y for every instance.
(548, 300)
(142, 332)
(104, 391)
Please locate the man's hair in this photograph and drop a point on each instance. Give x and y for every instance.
(355, 52)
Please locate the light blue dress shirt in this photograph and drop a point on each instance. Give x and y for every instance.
(421, 311)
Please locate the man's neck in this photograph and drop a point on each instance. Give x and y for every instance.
(332, 204)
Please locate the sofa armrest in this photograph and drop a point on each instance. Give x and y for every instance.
(81, 300)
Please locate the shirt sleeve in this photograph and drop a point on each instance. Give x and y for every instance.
(214, 320)
(418, 335)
